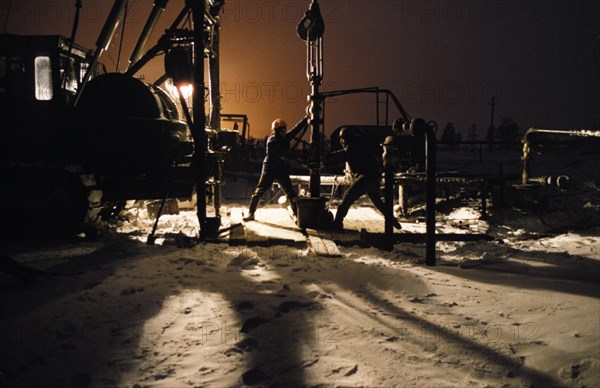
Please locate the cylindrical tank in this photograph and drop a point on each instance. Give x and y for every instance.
(125, 125)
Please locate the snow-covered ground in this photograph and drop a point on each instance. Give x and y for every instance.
(520, 310)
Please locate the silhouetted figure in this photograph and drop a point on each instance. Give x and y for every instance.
(366, 171)
(275, 165)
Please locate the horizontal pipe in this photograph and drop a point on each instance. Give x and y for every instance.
(422, 237)
(569, 132)
(532, 130)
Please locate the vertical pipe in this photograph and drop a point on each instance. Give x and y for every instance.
(377, 108)
(525, 158)
(244, 135)
(215, 80)
(402, 199)
(310, 29)
(218, 198)
(389, 159)
(430, 161)
(389, 206)
(199, 119)
(387, 107)
(315, 76)
(315, 142)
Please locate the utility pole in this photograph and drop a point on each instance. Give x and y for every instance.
(490, 134)
(493, 104)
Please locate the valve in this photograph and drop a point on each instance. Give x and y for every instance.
(561, 182)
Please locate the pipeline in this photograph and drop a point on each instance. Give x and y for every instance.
(525, 179)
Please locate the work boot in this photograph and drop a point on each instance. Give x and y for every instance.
(252, 208)
(337, 225)
(397, 224)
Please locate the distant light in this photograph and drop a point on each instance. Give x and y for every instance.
(186, 90)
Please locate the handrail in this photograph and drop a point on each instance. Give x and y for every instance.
(373, 89)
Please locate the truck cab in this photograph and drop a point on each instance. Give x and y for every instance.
(39, 76)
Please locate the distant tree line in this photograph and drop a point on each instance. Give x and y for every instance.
(508, 131)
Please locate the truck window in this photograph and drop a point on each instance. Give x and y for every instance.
(69, 74)
(13, 81)
(83, 67)
(43, 78)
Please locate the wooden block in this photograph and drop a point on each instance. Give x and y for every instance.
(236, 217)
(322, 246)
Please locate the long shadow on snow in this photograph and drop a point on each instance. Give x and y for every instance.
(51, 327)
(578, 275)
(413, 324)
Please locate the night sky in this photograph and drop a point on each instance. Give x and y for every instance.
(445, 60)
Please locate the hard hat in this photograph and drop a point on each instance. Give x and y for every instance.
(344, 133)
(278, 123)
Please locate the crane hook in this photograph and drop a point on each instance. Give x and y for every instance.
(312, 26)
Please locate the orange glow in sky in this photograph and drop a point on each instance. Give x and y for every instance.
(444, 60)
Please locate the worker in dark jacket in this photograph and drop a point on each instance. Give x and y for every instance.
(366, 171)
(275, 166)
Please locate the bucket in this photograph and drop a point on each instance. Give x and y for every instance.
(525, 196)
(310, 211)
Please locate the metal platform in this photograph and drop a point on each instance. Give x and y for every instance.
(273, 225)
(363, 226)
